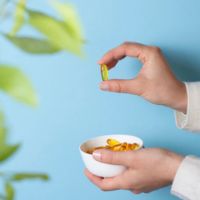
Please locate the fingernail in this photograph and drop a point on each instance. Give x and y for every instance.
(97, 155)
(104, 86)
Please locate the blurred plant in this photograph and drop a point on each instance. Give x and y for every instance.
(14, 83)
(57, 34)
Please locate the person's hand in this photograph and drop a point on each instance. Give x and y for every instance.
(155, 82)
(147, 169)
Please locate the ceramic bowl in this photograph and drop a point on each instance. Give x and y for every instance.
(103, 169)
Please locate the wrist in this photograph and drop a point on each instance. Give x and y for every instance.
(173, 164)
(179, 98)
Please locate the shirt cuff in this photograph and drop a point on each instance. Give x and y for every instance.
(186, 184)
(191, 120)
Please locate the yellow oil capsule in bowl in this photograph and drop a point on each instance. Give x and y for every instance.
(112, 142)
(104, 72)
(115, 145)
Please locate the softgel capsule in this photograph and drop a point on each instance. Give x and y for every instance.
(115, 145)
(104, 72)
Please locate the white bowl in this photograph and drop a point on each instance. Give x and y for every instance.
(103, 169)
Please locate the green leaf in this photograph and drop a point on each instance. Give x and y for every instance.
(2, 136)
(16, 84)
(27, 176)
(55, 31)
(10, 192)
(71, 19)
(3, 131)
(7, 151)
(32, 45)
(2, 119)
(19, 16)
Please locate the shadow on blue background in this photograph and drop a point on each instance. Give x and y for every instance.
(73, 109)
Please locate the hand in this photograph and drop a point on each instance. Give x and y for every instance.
(147, 169)
(155, 82)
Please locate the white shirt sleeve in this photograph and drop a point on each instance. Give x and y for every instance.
(186, 184)
(191, 120)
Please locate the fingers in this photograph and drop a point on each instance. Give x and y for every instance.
(105, 184)
(116, 158)
(135, 191)
(126, 49)
(114, 183)
(123, 86)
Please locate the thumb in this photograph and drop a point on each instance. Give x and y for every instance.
(122, 86)
(114, 157)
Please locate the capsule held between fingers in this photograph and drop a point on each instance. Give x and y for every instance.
(104, 72)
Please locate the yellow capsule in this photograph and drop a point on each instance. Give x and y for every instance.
(112, 142)
(116, 147)
(137, 146)
(134, 146)
(122, 148)
(104, 72)
(129, 147)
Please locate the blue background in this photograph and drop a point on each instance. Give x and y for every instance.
(73, 109)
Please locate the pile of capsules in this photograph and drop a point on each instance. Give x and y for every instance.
(115, 145)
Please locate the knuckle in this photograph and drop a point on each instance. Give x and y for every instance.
(103, 189)
(103, 156)
(126, 44)
(155, 49)
(131, 156)
(107, 156)
(112, 158)
(136, 191)
(119, 88)
(127, 186)
(116, 87)
(106, 187)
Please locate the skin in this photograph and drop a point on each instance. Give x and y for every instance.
(155, 82)
(151, 168)
(147, 169)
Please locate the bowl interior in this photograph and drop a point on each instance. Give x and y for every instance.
(101, 141)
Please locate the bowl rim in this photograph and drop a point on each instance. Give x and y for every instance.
(142, 143)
